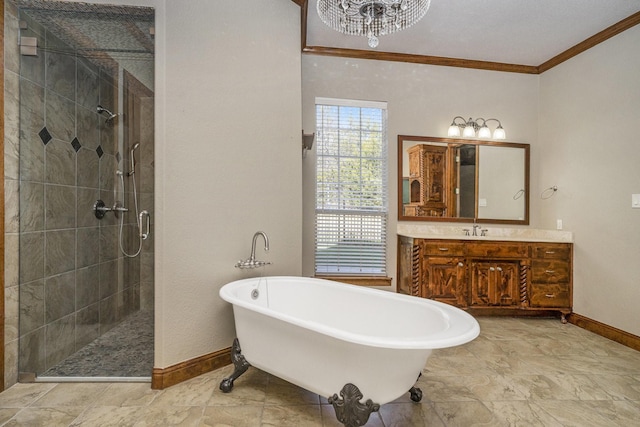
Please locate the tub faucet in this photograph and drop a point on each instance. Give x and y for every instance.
(251, 262)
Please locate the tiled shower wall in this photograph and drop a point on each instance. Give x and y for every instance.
(63, 265)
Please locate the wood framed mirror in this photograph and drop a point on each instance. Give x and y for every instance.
(462, 180)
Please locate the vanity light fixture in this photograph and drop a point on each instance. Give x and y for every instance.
(371, 18)
(478, 127)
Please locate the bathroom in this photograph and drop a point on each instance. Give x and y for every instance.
(218, 180)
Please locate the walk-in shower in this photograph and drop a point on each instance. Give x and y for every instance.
(86, 190)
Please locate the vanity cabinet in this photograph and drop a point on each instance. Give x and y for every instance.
(445, 280)
(488, 277)
(551, 276)
(494, 283)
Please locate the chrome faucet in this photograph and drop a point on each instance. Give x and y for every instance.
(251, 262)
(475, 229)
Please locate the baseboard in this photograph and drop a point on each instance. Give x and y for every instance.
(162, 378)
(614, 334)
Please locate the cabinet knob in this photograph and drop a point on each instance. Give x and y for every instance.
(492, 269)
(499, 268)
(460, 264)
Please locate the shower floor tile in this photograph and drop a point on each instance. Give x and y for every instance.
(124, 351)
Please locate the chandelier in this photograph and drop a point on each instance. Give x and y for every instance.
(371, 18)
(478, 127)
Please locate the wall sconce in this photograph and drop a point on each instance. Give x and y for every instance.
(307, 143)
(472, 128)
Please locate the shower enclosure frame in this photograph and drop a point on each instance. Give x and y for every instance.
(149, 245)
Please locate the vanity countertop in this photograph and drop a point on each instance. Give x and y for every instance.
(424, 231)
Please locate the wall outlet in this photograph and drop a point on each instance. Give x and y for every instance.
(558, 224)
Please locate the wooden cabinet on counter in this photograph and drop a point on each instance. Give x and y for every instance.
(488, 277)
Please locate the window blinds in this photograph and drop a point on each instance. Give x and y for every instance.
(351, 188)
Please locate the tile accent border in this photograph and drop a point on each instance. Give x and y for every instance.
(614, 334)
(162, 378)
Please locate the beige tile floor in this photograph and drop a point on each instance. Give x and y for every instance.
(519, 372)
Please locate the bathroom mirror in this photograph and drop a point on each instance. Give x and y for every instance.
(462, 180)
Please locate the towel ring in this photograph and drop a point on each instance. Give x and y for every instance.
(518, 194)
(549, 192)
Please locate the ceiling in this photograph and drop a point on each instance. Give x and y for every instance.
(522, 33)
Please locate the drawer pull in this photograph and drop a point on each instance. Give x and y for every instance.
(460, 264)
(550, 252)
(550, 295)
(550, 271)
(499, 268)
(443, 249)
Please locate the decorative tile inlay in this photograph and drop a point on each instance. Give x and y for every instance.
(76, 144)
(99, 151)
(45, 136)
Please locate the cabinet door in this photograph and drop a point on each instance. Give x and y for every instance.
(494, 283)
(445, 280)
(409, 272)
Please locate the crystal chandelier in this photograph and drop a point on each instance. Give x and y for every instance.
(371, 18)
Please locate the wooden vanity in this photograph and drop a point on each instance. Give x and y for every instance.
(492, 277)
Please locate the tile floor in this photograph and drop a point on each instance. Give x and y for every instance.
(533, 372)
(124, 351)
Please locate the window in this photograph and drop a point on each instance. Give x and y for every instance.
(351, 188)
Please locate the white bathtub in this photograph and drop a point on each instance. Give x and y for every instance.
(321, 335)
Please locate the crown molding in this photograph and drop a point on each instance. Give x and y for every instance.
(583, 46)
(419, 59)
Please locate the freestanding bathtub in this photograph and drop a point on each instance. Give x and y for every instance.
(330, 337)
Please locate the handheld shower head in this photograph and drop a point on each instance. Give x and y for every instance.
(133, 158)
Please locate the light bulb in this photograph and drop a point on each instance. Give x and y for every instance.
(499, 133)
(454, 130)
(469, 131)
(484, 132)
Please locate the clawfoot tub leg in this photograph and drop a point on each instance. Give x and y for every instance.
(416, 393)
(239, 362)
(349, 410)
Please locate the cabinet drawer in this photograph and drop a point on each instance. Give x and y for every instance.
(550, 296)
(444, 248)
(549, 271)
(498, 249)
(552, 251)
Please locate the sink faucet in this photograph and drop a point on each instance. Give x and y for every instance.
(475, 229)
(252, 262)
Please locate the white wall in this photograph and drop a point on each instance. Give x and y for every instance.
(589, 147)
(230, 165)
(422, 100)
